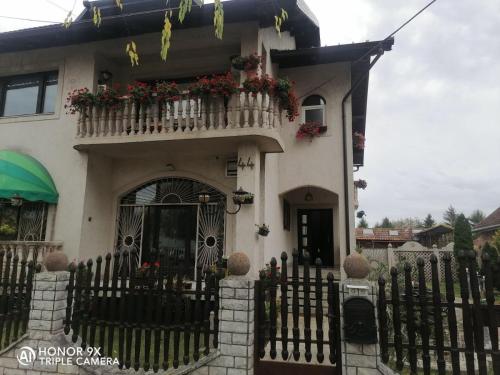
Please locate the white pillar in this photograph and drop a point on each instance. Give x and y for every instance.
(247, 240)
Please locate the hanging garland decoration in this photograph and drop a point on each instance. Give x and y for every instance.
(165, 36)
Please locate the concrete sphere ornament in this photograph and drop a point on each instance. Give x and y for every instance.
(356, 266)
(238, 264)
(56, 261)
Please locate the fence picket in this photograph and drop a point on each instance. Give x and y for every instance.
(477, 314)
(197, 314)
(187, 328)
(307, 307)
(319, 311)
(137, 300)
(424, 321)
(396, 316)
(19, 306)
(149, 303)
(121, 309)
(410, 319)
(492, 316)
(295, 304)
(104, 303)
(10, 304)
(69, 299)
(382, 316)
(272, 309)
(452, 318)
(466, 314)
(95, 305)
(284, 305)
(77, 310)
(4, 297)
(113, 302)
(438, 320)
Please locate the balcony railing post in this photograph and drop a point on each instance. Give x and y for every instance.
(188, 127)
(195, 114)
(246, 110)
(265, 110)
(255, 111)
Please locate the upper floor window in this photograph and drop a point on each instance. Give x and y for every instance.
(313, 109)
(28, 94)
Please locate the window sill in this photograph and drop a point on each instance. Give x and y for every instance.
(28, 118)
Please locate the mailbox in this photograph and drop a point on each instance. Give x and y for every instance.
(359, 321)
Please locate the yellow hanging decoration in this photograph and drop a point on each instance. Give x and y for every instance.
(218, 19)
(68, 20)
(278, 20)
(119, 4)
(131, 51)
(184, 8)
(97, 16)
(166, 33)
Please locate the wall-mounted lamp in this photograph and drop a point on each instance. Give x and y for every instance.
(104, 77)
(240, 197)
(204, 197)
(308, 197)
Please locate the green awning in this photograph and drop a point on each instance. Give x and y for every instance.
(25, 177)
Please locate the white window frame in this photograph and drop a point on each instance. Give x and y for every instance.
(311, 107)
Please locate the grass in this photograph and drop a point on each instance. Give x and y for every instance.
(141, 359)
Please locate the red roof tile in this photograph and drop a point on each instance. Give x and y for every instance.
(384, 234)
(490, 221)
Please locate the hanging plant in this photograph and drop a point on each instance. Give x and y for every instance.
(141, 93)
(219, 85)
(360, 184)
(79, 100)
(167, 91)
(263, 230)
(287, 99)
(247, 63)
(310, 130)
(262, 85)
(359, 141)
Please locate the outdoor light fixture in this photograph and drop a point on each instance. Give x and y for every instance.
(16, 201)
(204, 197)
(105, 76)
(308, 197)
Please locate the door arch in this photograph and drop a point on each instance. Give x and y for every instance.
(165, 214)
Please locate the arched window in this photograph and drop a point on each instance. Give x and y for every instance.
(313, 110)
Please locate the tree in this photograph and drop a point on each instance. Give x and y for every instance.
(429, 221)
(476, 216)
(491, 251)
(363, 223)
(462, 235)
(450, 216)
(183, 9)
(495, 240)
(386, 223)
(407, 223)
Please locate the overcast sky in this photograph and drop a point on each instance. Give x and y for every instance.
(433, 126)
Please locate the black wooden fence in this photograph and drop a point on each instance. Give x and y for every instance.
(306, 295)
(16, 285)
(144, 318)
(425, 326)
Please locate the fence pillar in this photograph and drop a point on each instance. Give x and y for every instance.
(236, 328)
(48, 304)
(390, 256)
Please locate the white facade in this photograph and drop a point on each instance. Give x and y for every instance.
(92, 175)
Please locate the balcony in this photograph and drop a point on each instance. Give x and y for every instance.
(30, 250)
(186, 123)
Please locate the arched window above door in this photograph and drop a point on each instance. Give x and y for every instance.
(313, 109)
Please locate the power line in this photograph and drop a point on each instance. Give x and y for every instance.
(376, 47)
(51, 2)
(28, 19)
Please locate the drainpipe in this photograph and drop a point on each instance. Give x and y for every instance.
(347, 199)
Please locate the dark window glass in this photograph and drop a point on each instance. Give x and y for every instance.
(313, 100)
(314, 115)
(29, 94)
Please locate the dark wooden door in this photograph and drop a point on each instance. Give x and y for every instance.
(315, 235)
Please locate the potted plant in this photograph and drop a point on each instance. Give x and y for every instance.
(241, 196)
(79, 100)
(310, 129)
(360, 184)
(108, 97)
(141, 93)
(167, 91)
(263, 230)
(287, 100)
(249, 64)
(263, 85)
(359, 141)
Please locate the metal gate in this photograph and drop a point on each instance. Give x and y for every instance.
(310, 305)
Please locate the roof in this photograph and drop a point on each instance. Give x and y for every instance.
(357, 53)
(147, 16)
(22, 176)
(435, 230)
(491, 222)
(384, 234)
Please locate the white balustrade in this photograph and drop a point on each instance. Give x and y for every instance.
(186, 115)
(30, 250)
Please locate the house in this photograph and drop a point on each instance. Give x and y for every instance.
(439, 235)
(484, 231)
(171, 174)
(373, 238)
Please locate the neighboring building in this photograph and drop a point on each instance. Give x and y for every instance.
(439, 235)
(373, 238)
(135, 180)
(486, 228)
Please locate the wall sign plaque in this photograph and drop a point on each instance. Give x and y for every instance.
(359, 321)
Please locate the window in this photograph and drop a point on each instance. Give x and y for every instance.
(28, 94)
(23, 223)
(313, 109)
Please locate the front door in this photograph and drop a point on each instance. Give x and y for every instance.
(315, 235)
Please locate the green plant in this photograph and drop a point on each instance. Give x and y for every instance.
(107, 98)
(141, 93)
(79, 100)
(310, 130)
(167, 91)
(7, 230)
(246, 63)
(462, 235)
(287, 100)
